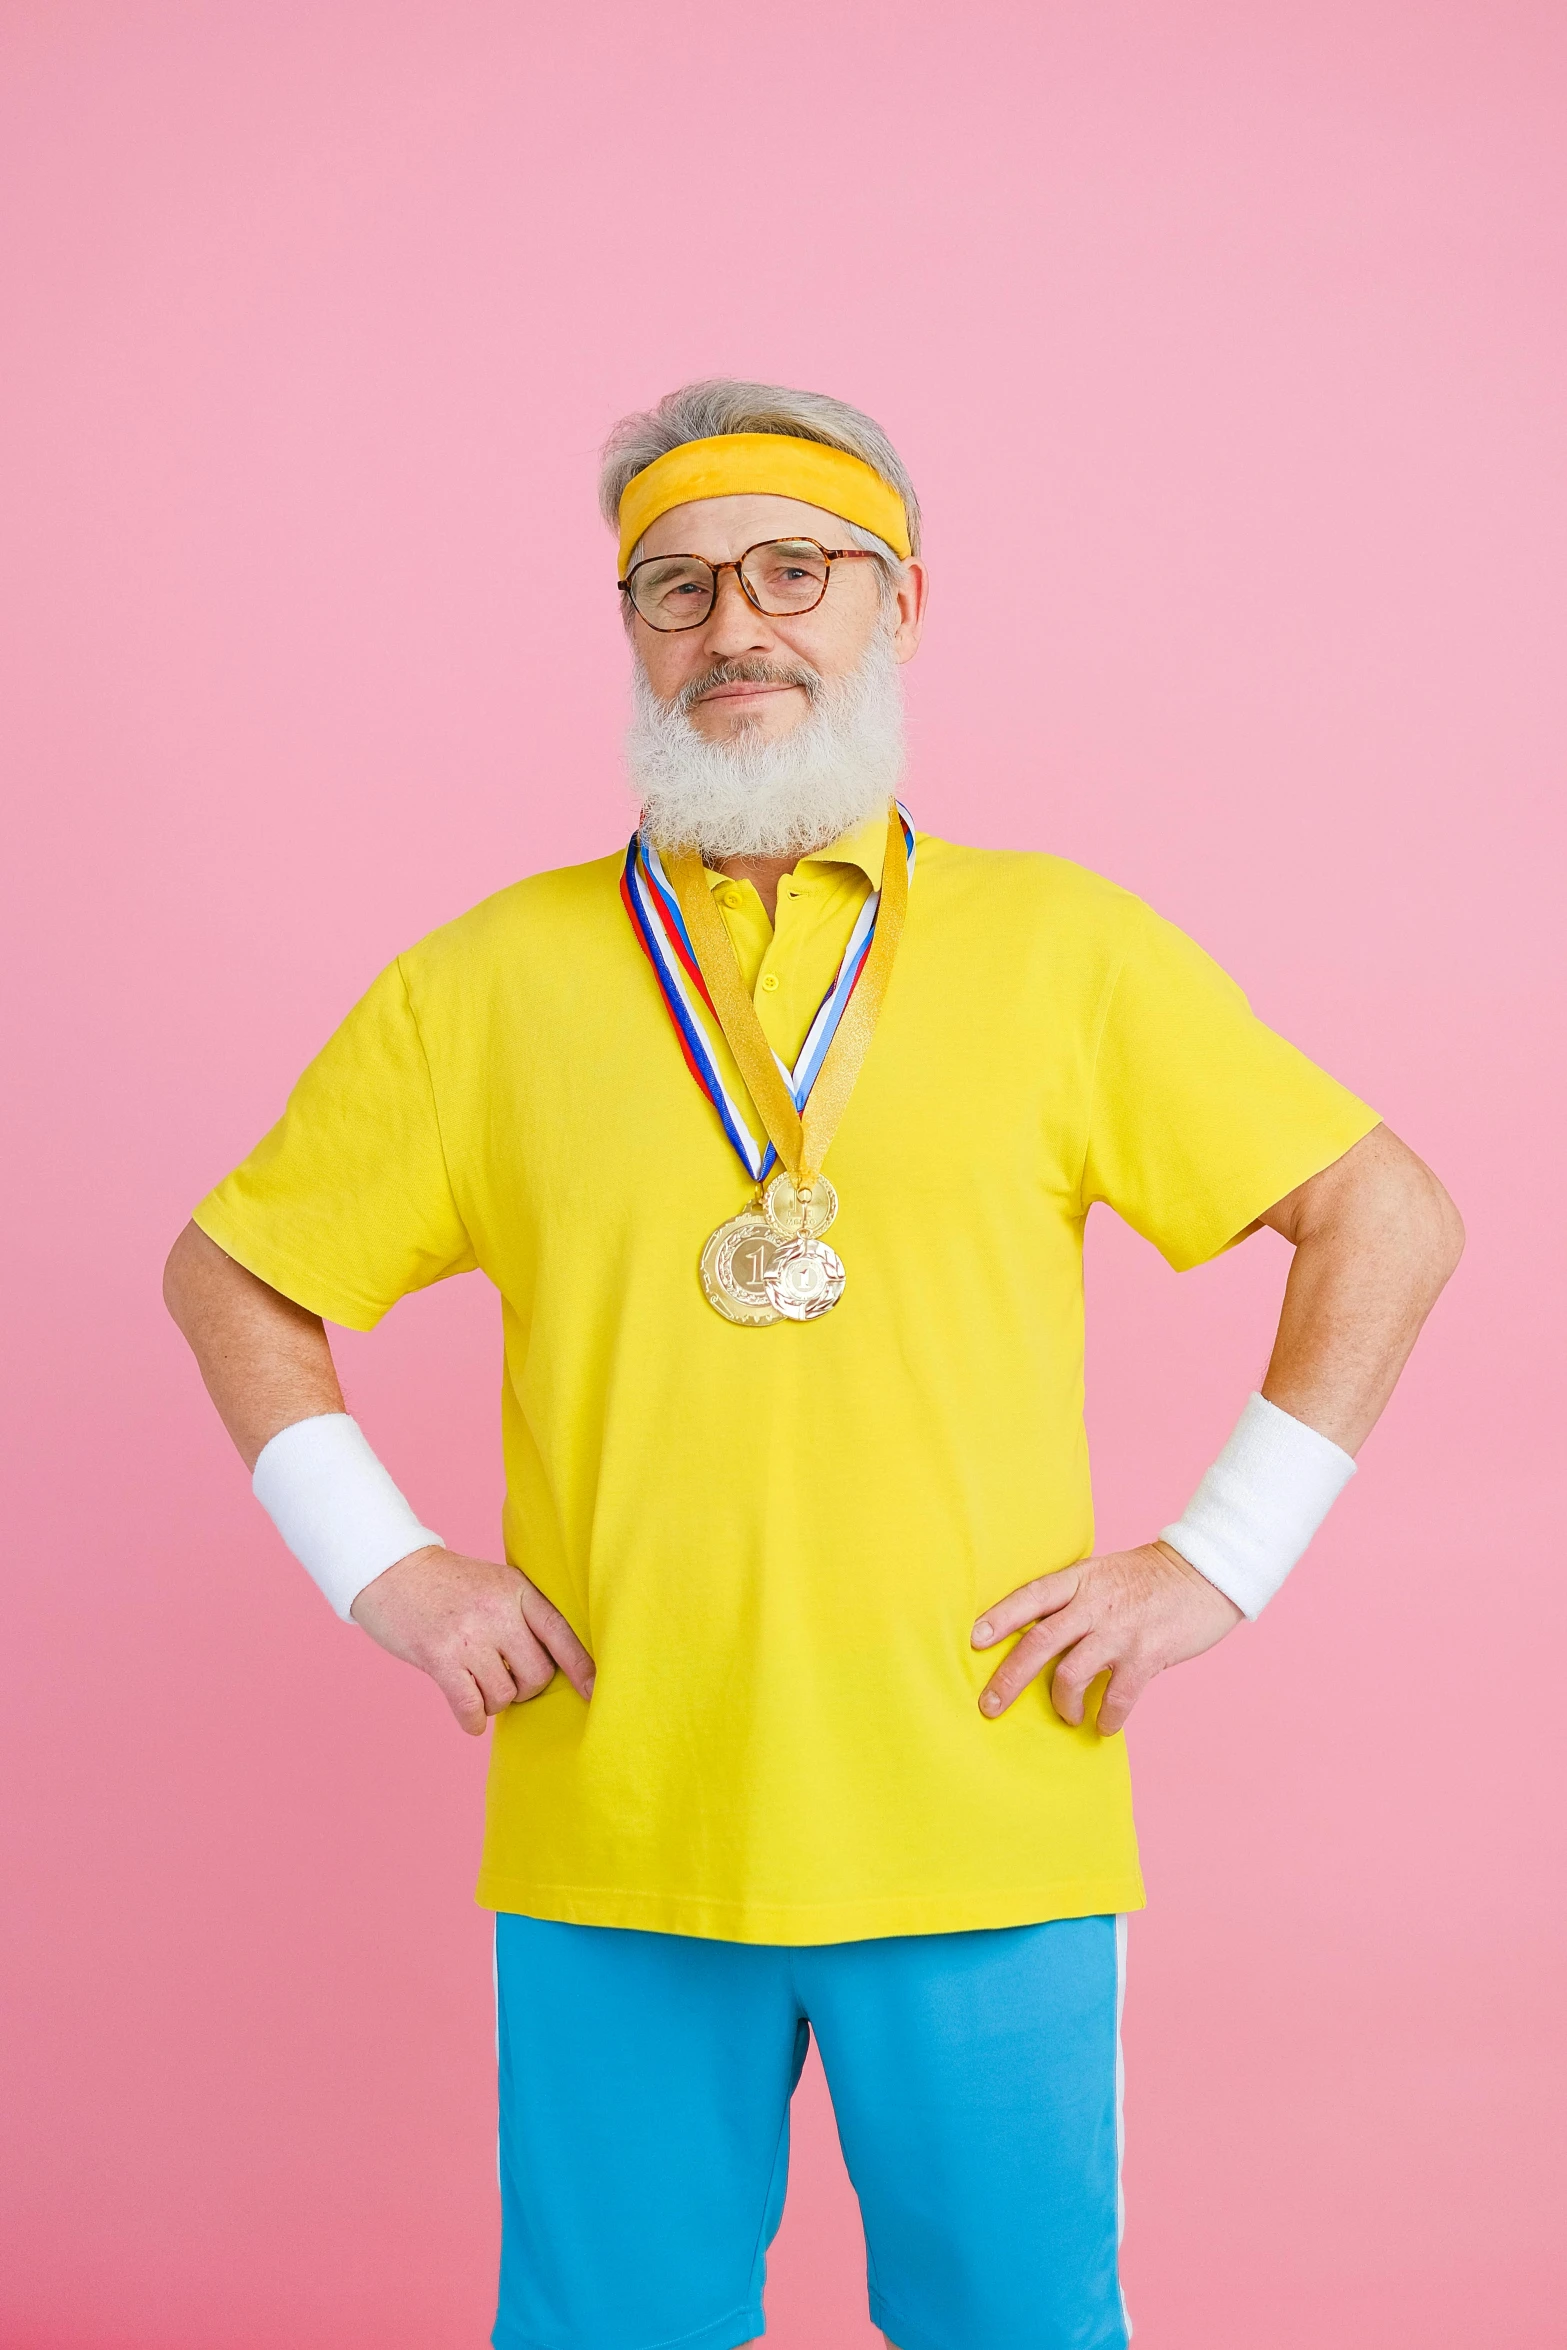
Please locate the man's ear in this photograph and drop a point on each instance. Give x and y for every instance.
(913, 599)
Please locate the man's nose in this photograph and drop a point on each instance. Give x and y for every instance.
(734, 626)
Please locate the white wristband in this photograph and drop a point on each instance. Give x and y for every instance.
(335, 1505)
(1260, 1504)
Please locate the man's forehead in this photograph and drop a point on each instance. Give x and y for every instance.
(722, 528)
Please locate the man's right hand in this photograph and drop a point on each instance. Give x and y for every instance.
(486, 1637)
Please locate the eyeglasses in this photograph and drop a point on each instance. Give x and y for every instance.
(778, 577)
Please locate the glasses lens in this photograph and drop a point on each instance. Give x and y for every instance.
(787, 575)
(674, 591)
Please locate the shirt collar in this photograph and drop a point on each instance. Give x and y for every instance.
(865, 846)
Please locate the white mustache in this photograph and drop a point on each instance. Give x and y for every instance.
(748, 673)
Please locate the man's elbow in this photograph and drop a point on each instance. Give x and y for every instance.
(1381, 1196)
(182, 1273)
(1449, 1236)
(1432, 1227)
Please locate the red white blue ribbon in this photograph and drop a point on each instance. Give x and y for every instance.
(661, 932)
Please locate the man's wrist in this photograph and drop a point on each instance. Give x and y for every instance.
(1193, 1574)
(1256, 1510)
(336, 1506)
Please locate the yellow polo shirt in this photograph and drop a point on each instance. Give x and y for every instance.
(774, 1541)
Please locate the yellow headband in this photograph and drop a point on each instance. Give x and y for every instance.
(771, 463)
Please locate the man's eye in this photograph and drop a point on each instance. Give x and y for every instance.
(680, 591)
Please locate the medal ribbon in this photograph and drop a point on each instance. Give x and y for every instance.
(799, 1133)
(682, 933)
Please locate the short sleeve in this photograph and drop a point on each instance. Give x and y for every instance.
(1201, 1117)
(346, 1205)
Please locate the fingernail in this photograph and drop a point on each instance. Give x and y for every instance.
(587, 1686)
(990, 1703)
(983, 1634)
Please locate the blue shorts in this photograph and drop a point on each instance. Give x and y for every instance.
(645, 2083)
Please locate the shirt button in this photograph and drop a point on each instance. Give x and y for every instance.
(770, 982)
(731, 898)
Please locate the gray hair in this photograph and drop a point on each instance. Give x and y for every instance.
(720, 404)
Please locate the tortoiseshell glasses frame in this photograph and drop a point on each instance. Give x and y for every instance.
(789, 608)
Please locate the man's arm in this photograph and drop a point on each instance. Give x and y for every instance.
(482, 1632)
(1375, 1239)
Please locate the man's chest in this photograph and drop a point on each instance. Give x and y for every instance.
(571, 1112)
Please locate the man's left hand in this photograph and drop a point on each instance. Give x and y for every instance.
(1128, 1614)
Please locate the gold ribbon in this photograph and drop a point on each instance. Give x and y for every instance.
(801, 1144)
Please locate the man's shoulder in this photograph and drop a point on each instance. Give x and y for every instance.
(533, 917)
(1029, 886)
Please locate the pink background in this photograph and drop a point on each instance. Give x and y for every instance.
(1226, 345)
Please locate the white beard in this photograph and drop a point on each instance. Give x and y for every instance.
(749, 797)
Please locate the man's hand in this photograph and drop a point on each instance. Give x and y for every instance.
(1128, 1614)
(486, 1637)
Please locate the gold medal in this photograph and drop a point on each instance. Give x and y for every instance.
(736, 1264)
(804, 1279)
(781, 1206)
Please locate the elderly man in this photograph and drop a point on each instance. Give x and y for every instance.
(776, 1134)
